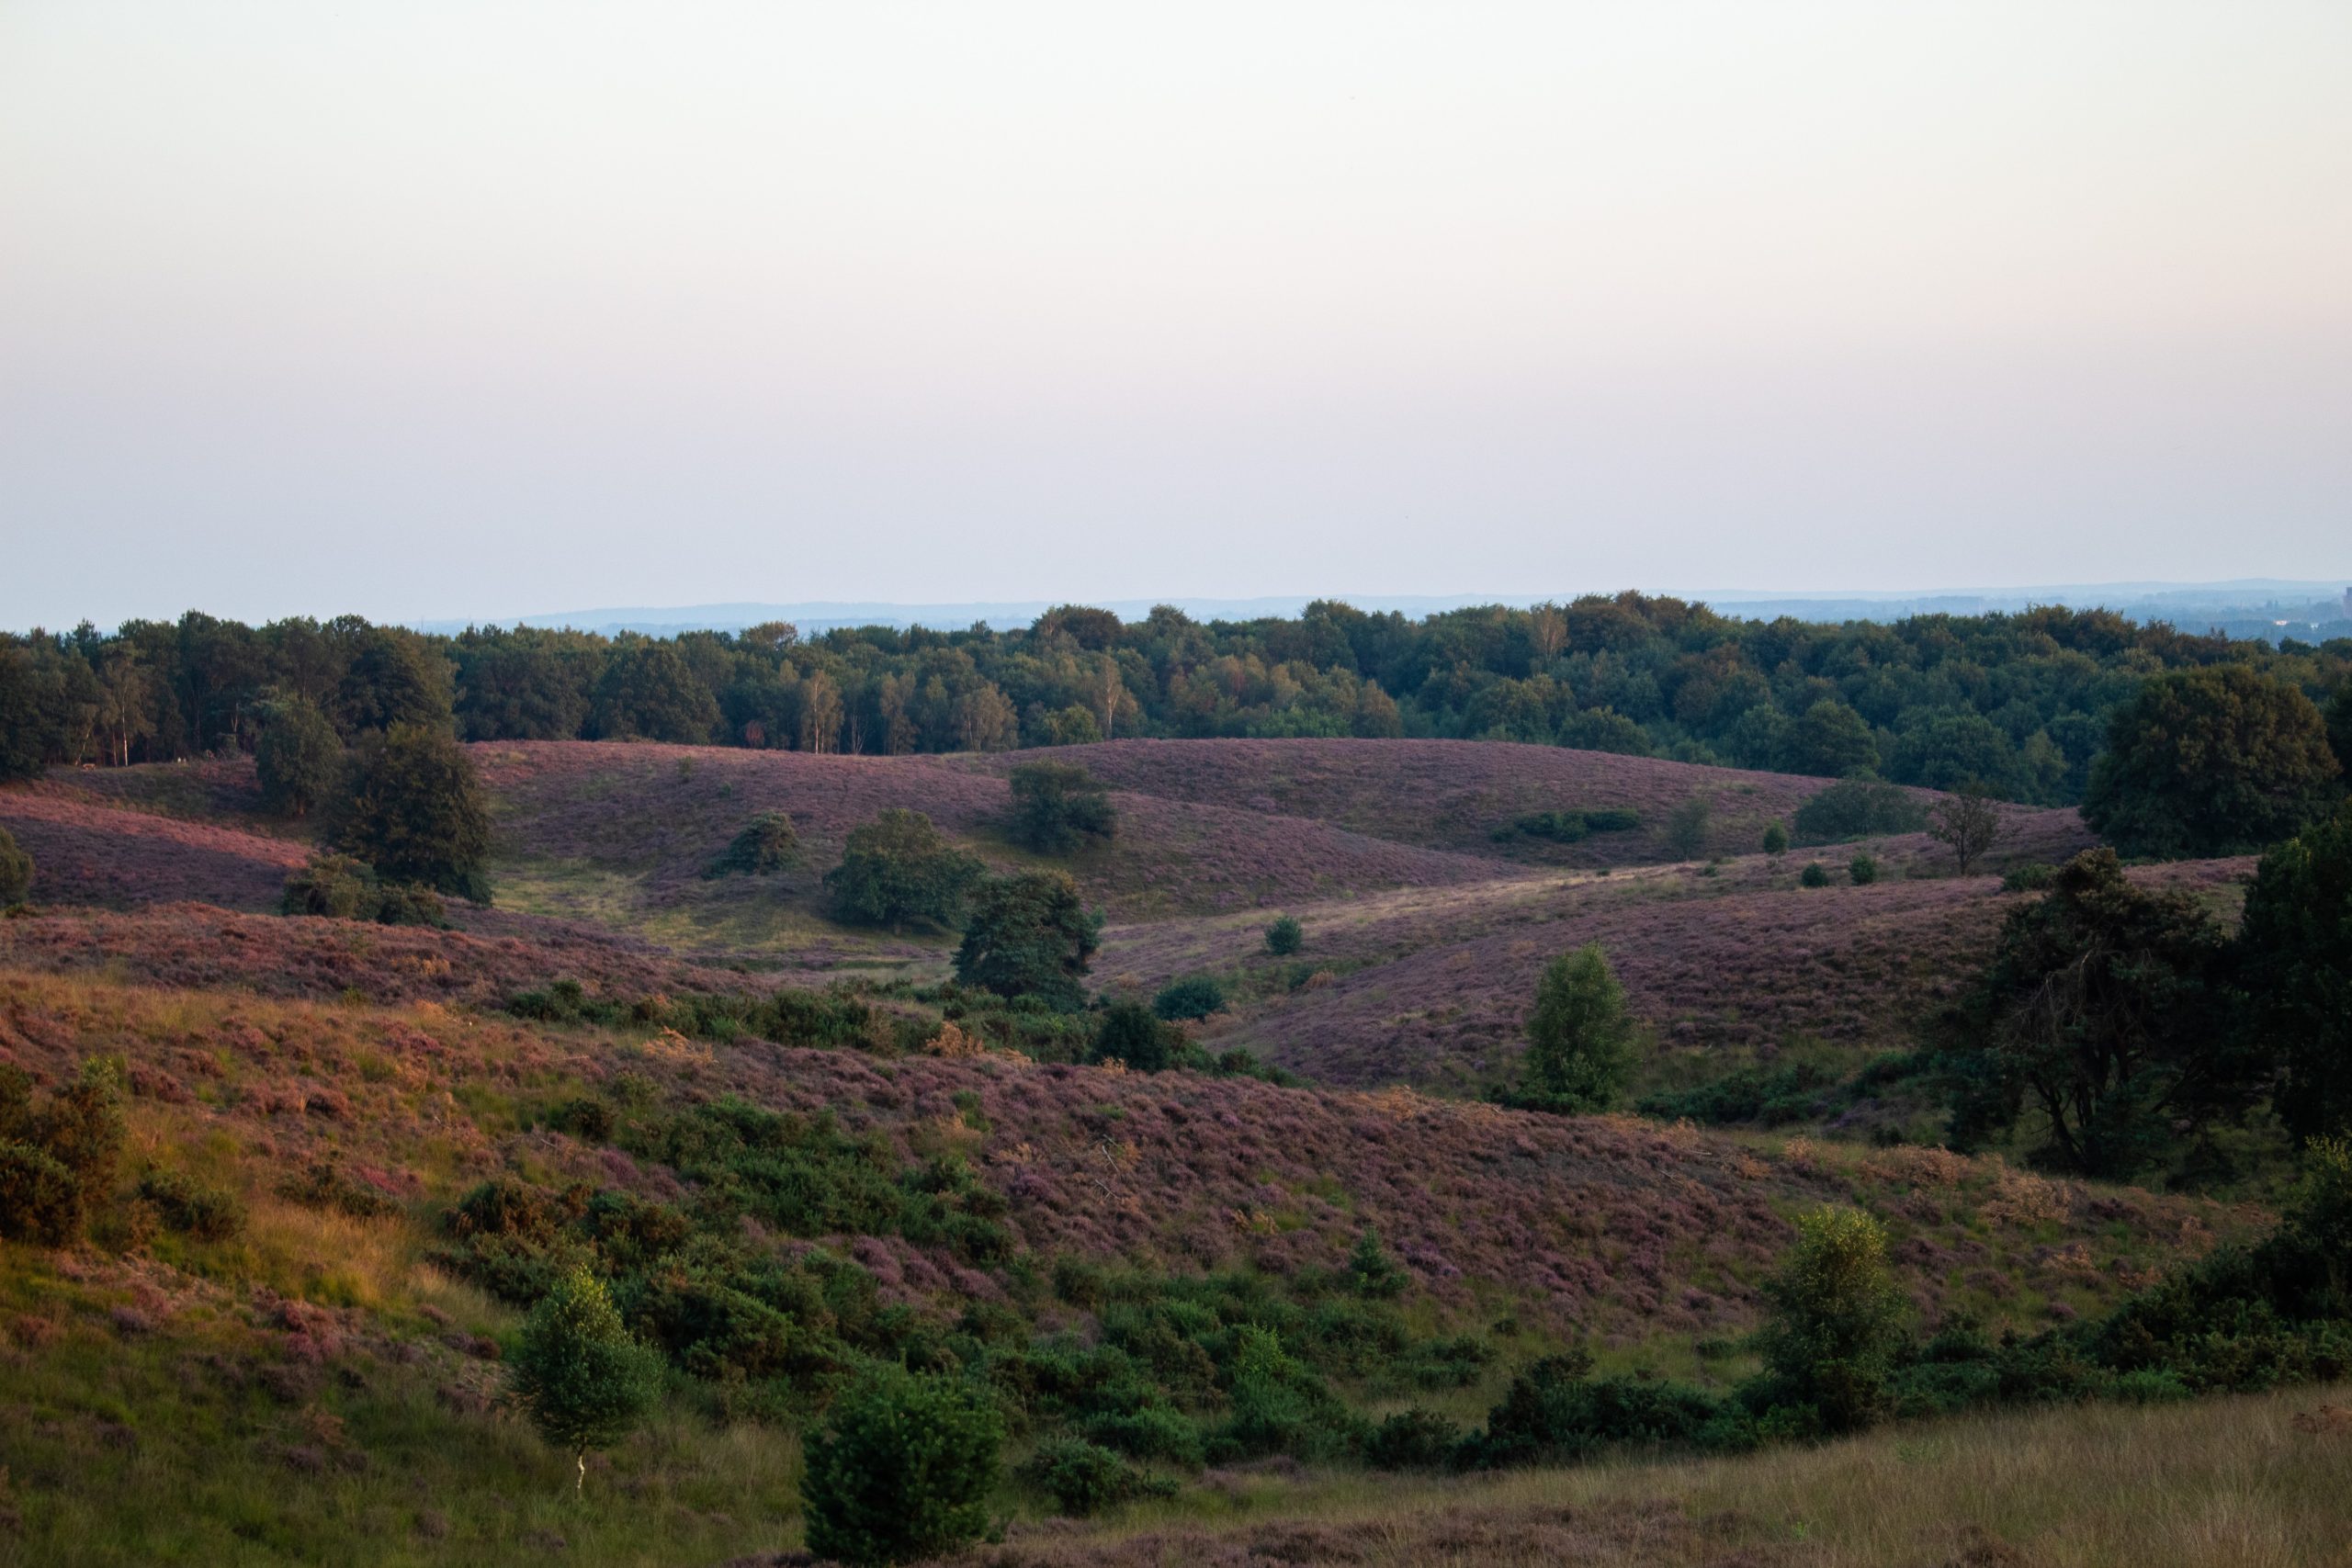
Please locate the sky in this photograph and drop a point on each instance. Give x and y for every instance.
(487, 309)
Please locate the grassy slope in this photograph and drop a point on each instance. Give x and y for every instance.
(314, 1388)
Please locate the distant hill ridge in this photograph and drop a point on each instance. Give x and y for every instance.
(2257, 601)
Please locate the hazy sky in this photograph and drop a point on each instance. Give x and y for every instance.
(483, 308)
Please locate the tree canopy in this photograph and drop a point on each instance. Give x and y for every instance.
(900, 868)
(1029, 935)
(2020, 701)
(2104, 1014)
(1058, 808)
(416, 812)
(2212, 762)
(2297, 970)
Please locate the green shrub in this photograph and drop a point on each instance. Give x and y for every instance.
(1284, 936)
(82, 1128)
(1371, 1271)
(1084, 1479)
(188, 1206)
(1557, 1413)
(1446, 1363)
(1837, 1320)
(1058, 808)
(564, 1001)
(1687, 825)
(1574, 827)
(1814, 874)
(1197, 996)
(1412, 1439)
(1152, 1431)
(39, 1201)
(901, 1469)
(2032, 876)
(1133, 1033)
(767, 845)
(16, 872)
(411, 904)
(332, 887)
(1863, 869)
(1277, 1404)
(586, 1381)
(323, 1185)
(1859, 807)
(1776, 839)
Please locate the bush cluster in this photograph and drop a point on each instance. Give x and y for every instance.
(1858, 808)
(1571, 827)
(341, 887)
(767, 844)
(58, 1159)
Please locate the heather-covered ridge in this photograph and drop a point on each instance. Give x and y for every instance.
(659, 814)
(86, 851)
(201, 947)
(1452, 795)
(1852, 965)
(1626, 1230)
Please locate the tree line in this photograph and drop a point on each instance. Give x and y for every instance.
(2020, 703)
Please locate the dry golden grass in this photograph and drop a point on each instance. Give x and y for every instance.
(2231, 1483)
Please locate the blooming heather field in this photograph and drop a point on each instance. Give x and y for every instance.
(319, 1370)
(88, 852)
(1610, 1225)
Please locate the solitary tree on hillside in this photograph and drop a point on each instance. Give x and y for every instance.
(2103, 1012)
(1968, 821)
(585, 1381)
(1580, 1048)
(1058, 808)
(898, 868)
(416, 812)
(1687, 825)
(1029, 935)
(1837, 1320)
(767, 844)
(2212, 762)
(299, 759)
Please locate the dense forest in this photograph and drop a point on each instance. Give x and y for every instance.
(2017, 703)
